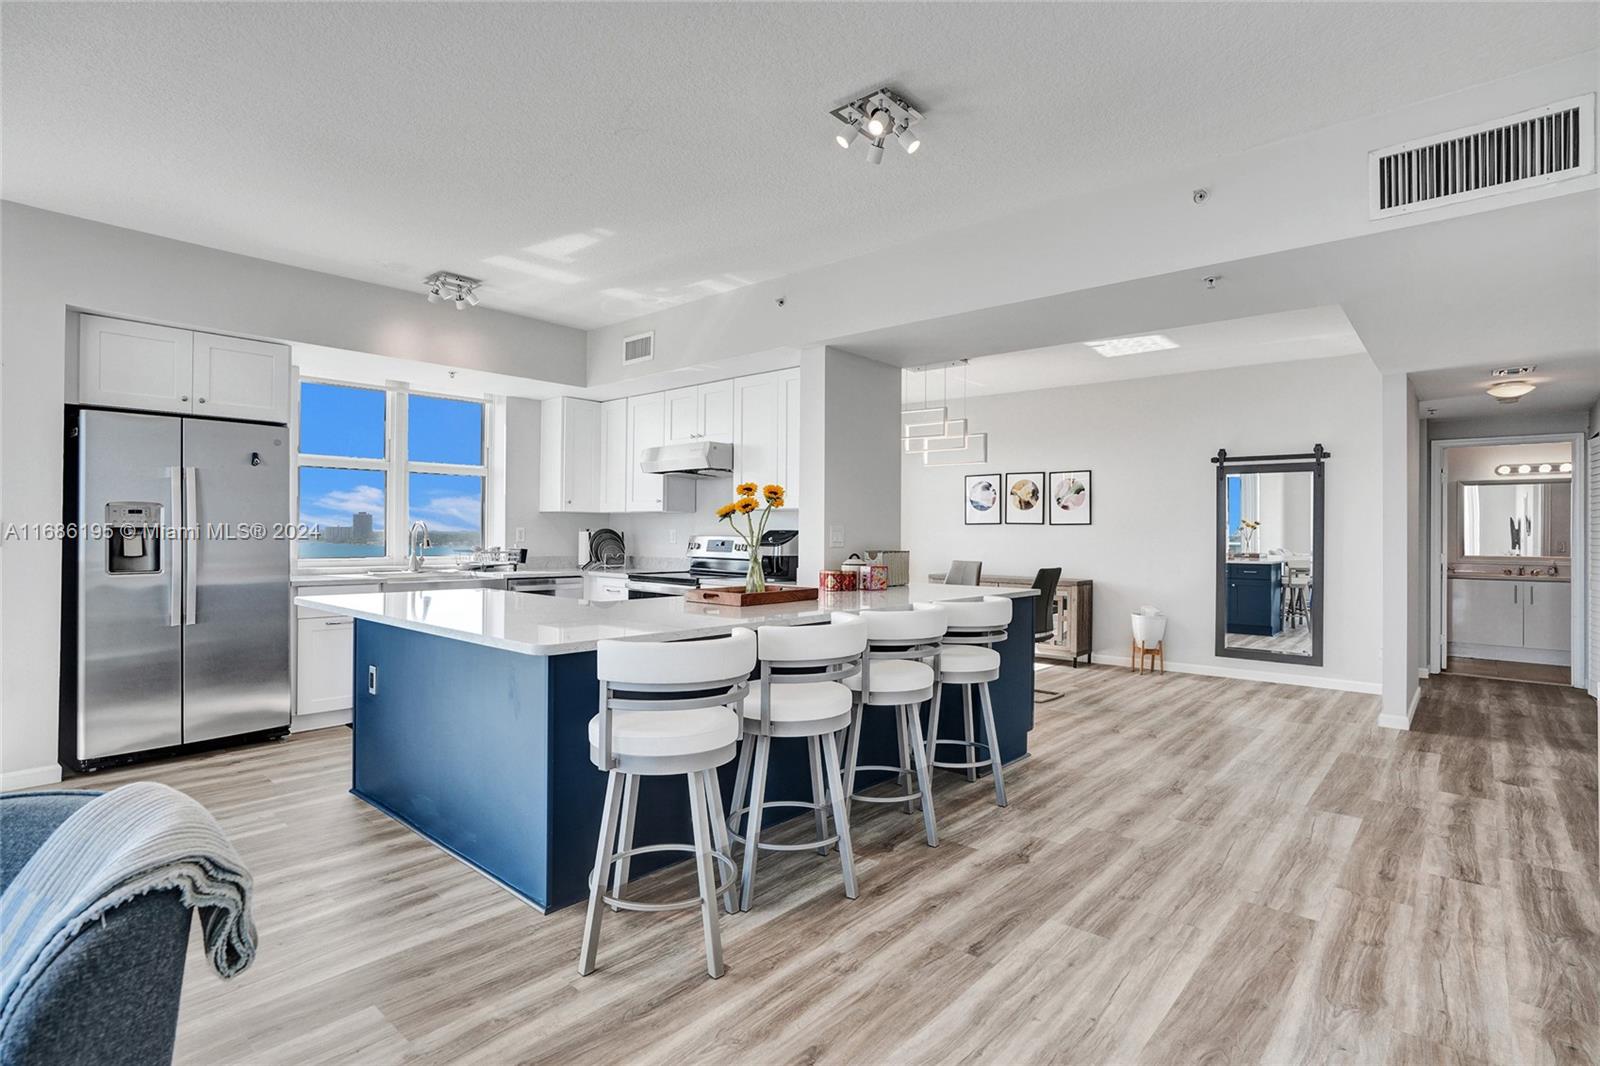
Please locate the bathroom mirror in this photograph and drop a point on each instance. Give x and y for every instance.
(1514, 519)
(1269, 561)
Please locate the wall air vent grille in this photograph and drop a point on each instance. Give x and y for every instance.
(1536, 147)
(639, 347)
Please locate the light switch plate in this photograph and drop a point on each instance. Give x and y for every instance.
(835, 536)
(672, 536)
(520, 538)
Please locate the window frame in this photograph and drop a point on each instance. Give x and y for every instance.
(396, 466)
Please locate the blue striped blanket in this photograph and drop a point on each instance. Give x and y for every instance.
(135, 839)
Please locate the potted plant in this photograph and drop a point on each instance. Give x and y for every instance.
(745, 507)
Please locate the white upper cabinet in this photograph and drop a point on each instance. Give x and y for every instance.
(700, 412)
(766, 431)
(569, 455)
(614, 456)
(647, 428)
(236, 378)
(158, 368)
(133, 364)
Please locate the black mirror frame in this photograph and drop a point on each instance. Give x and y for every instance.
(1319, 574)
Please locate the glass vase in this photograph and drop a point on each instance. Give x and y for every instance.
(754, 580)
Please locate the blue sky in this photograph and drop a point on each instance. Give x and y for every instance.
(338, 420)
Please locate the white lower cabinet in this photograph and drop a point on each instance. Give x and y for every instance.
(324, 658)
(602, 587)
(1514, 620)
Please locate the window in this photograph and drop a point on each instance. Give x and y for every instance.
(360, 486)
(342, 480)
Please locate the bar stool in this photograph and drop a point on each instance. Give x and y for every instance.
(666, 708)
(968, 659)
(800, 695)
(896, 674)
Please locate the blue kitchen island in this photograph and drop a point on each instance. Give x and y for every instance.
(472, 709)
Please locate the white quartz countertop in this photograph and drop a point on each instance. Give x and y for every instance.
(548, 625)
(304, 579)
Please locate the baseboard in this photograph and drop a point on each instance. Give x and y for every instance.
(1341, 684)
(1511, 655)
(32, 777)
(1390, 721)
(1423, 673)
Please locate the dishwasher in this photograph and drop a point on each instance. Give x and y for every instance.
(566, 586)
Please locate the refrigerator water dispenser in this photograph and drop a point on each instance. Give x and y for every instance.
(133, 541)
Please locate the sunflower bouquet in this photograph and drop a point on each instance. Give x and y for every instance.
(746, 507)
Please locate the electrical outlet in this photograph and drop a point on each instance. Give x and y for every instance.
(520, 538)
(835, 536)
(672, 536)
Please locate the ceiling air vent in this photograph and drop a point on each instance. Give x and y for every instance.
(1546, 144)
(639, 347)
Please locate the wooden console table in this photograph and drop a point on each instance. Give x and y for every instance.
(1074, 611)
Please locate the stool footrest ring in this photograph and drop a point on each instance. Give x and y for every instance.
(733, 817)
(674, 905)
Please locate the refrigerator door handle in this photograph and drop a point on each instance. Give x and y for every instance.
(191, 542)
(174, 525)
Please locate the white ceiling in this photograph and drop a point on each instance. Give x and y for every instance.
(599, 161)
(1312, 333)
(1564, 384)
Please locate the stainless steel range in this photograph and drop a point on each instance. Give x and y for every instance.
(721, 560)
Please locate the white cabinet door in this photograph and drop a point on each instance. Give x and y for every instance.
(1486, 612)
(580, 456)
(236, 378)
(1547, 615)
(614, 456)
(605, 587)
(133, 364)
(716, 411)
(647, 428)
(789, 405)
(758, 452)
(683, 415)
(324, 664)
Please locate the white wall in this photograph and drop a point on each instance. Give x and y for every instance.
(1153, 538)
(544, 534)
(54, 265)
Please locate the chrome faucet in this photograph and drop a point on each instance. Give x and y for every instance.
(413, 548)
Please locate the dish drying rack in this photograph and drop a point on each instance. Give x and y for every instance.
(491, 558)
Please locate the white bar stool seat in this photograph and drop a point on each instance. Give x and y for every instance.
(968, 660)
(666, 708)
(799, 695)
(897, 675)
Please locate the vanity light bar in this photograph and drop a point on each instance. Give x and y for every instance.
(1523, 469)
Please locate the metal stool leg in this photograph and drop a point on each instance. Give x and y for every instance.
(602, 863)
(914, 727)
(857, 722)
(814, 753)
(841, 815)
(719, 832)
(933, 722)
(710, 912)
(752, 838)
(993, 744)
(966, 723)
(630, 810)
(900, 744)
(906, 760)
(741, 777)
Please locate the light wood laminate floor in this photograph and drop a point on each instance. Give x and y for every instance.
(1191, 869)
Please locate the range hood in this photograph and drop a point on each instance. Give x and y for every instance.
(698, 458)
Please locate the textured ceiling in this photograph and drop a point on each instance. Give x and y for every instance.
(598, 161)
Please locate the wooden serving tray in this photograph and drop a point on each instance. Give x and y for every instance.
(741, 598)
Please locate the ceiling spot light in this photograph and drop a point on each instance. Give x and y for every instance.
(875, 117)
(1510, 391)
(1503, 470)
(1545, 468)
(1524, 469)
(1566, 468)
(459, 289)
(1115, 346)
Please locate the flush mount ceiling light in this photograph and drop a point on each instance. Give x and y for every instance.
(1115, 346)
(1509, 470)
(1510, 391)
(878, 116)
(458, 289)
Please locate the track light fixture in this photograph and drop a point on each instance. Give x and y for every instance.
(458, 289)
(881, 114)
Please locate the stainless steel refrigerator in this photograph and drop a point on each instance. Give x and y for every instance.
(177, 594)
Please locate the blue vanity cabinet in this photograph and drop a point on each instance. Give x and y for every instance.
(1255, 598)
